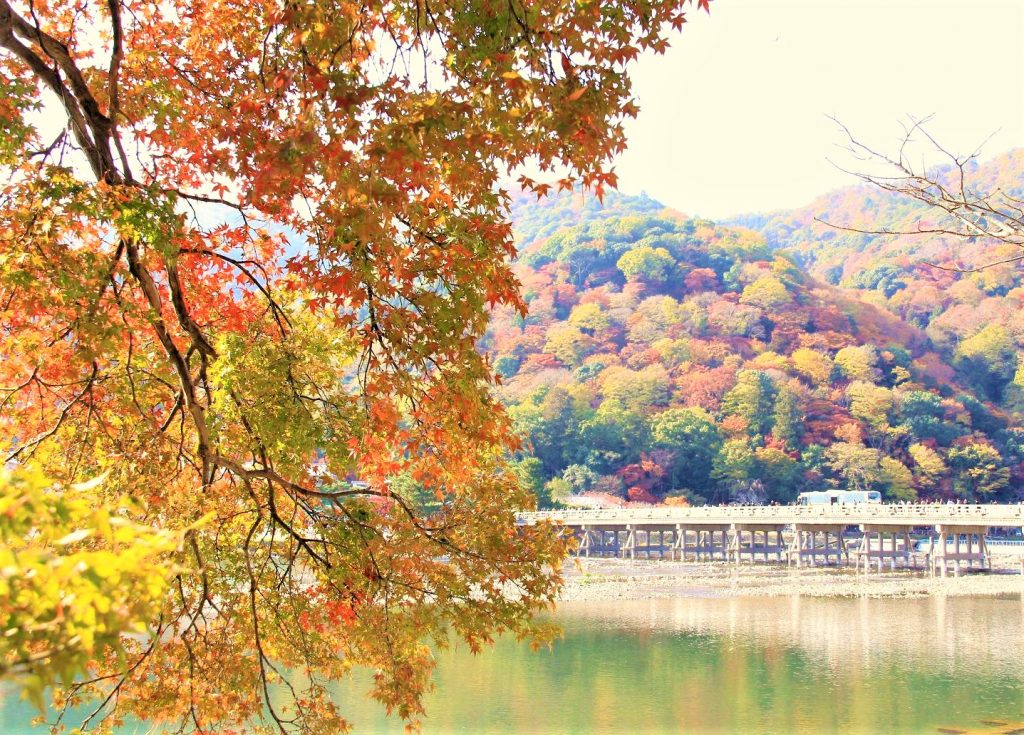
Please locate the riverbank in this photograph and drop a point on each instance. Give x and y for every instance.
(597, 579)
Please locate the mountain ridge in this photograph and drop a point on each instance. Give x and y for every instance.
(671, 359)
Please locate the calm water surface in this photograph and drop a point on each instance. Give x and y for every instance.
(776, 665)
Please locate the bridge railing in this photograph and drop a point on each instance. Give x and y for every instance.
(915, 513)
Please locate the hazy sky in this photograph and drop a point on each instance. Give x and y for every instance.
(733, 117)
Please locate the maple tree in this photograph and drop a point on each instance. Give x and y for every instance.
(647, 264)
(76, 577)
(243, 280)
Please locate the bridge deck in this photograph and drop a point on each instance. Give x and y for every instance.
(731, 532)
(918, 514)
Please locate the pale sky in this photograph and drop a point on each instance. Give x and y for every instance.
(733, 117)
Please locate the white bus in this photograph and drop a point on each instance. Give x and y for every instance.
(839, 497)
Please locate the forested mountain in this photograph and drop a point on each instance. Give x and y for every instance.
(973, 318)
(666, 358)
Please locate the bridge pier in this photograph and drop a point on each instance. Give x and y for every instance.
(630, 546)
(640, 539)
(737, 548)
(804, 544)
(679, 542)
(873, 546)
(583, 549)
(600, 541)
(707, 545)
(941, 558)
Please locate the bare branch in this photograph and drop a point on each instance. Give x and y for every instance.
(967, 209)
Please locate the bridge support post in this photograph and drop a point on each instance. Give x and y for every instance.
(732, 543)
(750, 539)
(584, 548)
(793, 552)
(873, 546)
(807, 544)
(679, 543)
(942, 557)
(630, 547)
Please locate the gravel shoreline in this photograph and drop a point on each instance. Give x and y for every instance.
(596, 579)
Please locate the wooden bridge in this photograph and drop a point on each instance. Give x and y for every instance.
(797, 534)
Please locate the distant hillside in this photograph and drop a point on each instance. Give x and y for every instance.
(535, 219)
(974, 319)
(669, 358)
(838, 255)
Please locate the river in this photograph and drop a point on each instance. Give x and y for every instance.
(719, 665)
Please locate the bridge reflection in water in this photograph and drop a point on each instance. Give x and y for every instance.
(840, 631)
(865, 535)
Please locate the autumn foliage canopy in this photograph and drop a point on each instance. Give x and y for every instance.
(246, 252)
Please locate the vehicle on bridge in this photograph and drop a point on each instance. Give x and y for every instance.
(839, 497)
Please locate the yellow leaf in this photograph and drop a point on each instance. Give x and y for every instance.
(90, 484)
(202, 521)
(82, 533)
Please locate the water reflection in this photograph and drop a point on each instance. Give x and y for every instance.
(923, 632)
(774, 665)
(713, 665)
